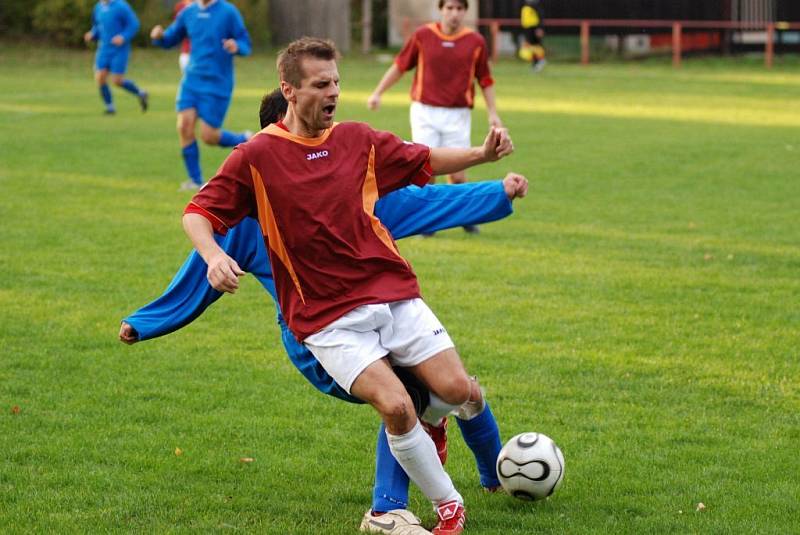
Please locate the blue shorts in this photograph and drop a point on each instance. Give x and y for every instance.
(113, 58)
(210, 108)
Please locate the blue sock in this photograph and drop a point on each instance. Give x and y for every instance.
(391, 481)
(191, 158)
(483, 438)
(231, 139)
(130, 87)
(105, 93)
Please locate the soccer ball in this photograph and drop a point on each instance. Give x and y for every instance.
(530, 466)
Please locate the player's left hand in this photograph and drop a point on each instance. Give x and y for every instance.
(230, 46)
(497, 144)
(118, 40)
(127, 334)
(515, 186)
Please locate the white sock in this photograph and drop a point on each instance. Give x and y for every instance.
(416, 453)
(437, 409)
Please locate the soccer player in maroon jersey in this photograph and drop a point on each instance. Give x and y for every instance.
(186, 44)
(342, 285)
(448, 58)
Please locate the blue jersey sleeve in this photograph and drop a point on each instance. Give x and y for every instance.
(94, 29)
(414, 210)
(131, 22)
(189, 293)
(239, 33)
(175, 32)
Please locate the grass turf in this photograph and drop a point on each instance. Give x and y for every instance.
(641, 307)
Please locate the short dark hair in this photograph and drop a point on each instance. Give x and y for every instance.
(464, 3)
(273, 108)
(290, 59)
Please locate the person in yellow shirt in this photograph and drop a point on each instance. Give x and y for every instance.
(532, 19)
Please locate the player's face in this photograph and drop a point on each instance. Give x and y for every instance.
(453, 14)
(318, 94)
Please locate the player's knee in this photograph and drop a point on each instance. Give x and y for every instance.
(209, 136)
(455, 390)
(185, 129)
(395, 406)
(117, 80)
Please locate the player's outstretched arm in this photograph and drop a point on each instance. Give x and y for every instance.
(189, 293)
(412, 210)
(185, 299)
(497, 145)
(174, 34)
(390, 77)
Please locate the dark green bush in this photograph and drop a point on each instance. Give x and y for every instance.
(63, 22)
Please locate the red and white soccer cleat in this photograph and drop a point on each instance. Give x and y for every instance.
(438, 434)
(452, 517)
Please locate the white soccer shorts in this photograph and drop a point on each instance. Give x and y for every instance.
(440, 127)
(407, 331)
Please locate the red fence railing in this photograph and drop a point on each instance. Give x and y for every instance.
(676, 27)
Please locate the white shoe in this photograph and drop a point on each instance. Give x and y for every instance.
(248, 134)
(539, 65)
(189, 186)
(397, 522)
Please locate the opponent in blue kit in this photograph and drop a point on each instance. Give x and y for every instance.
(405, 212)
(114, 24)
(217, 33)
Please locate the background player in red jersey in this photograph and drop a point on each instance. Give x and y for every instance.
(448, 58)
(186, 45)
(342, 285)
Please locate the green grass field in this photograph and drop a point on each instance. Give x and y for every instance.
(640, 307)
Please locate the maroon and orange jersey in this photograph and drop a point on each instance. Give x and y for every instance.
(314, 199)
(446, 66)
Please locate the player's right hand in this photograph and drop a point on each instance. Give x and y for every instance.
(157, 32)
(223, 273)
(87, 37)
(374, 101)
(127, 334)
(515, 186)
(497, 144)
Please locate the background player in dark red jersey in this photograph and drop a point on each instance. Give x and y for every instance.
(186, 44)
(449, 58)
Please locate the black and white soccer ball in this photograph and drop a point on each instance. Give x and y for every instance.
(530, 466)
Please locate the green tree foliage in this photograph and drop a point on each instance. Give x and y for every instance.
(63, 22)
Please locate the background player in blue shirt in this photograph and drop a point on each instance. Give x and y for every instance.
(217, 33)
(114, 24)
(405, 212)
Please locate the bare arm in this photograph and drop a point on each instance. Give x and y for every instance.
(223, 271)
(446, 160)
(392, 75)
(491, 106)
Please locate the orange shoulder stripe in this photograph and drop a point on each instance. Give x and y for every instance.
(369, 196)
(269, 228)
(470, 92)
(418, 77)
